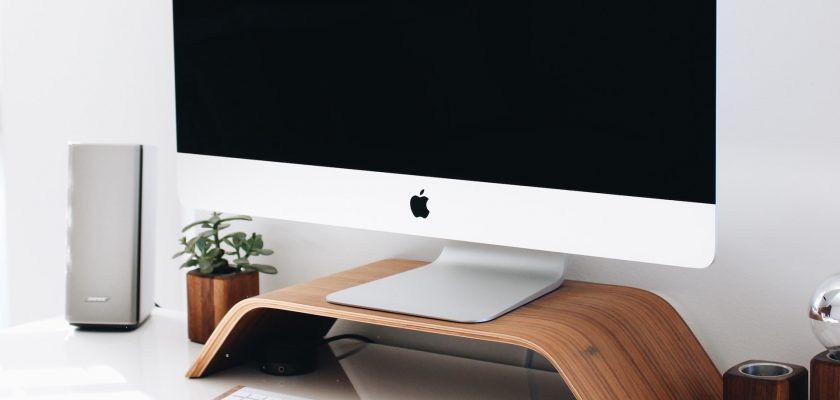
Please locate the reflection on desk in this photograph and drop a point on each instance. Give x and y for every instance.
(51, 360)
(385, 372)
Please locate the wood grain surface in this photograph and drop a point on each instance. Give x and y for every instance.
(228, 392)
(825, 377)
(210, 297)
(606, 341)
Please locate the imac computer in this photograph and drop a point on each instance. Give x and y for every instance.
(520, 131)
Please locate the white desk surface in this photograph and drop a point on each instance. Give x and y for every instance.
(50, 359)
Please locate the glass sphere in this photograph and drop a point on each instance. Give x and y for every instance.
(825, 314)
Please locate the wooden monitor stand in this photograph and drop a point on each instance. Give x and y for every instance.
(607, 342)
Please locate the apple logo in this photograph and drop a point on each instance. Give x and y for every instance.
(418, 205)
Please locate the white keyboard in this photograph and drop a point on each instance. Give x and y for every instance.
(248, 393)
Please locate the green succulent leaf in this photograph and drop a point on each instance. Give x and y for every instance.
(235, 235)
(237, 217)
(189, 263)
(191, 243)
(179, 254)
(241, 261)
(258, 242)
(205, 266)
(201, 244)
(266, 269)
(196, 223)
(262, 252)
(212, 253)
(207, 233)
(222, 226)
(214, 219)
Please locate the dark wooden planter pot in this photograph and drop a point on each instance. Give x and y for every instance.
(209, 297)
(765, 380)
(825, 377)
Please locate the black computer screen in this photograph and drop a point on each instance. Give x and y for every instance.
(614, 97)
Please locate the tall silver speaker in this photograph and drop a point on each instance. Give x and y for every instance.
(109, 265)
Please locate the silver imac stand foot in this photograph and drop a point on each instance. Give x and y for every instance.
(466, 283)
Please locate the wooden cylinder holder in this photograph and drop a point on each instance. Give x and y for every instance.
(765, 380)
(210, 297)
(825, 376)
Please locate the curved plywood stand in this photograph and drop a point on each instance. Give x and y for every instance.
(607, 342)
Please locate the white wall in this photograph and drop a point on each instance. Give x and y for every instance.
(4, 286)
(4, 279)
(101, 71)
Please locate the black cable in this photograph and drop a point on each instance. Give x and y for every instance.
(348, 336)
(529, 374)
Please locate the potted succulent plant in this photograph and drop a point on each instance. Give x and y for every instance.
(215, 284)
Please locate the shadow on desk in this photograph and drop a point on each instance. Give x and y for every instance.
(349, 370)
(384, 372)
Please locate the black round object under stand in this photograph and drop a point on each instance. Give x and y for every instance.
(289, 358)
(295, 357)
